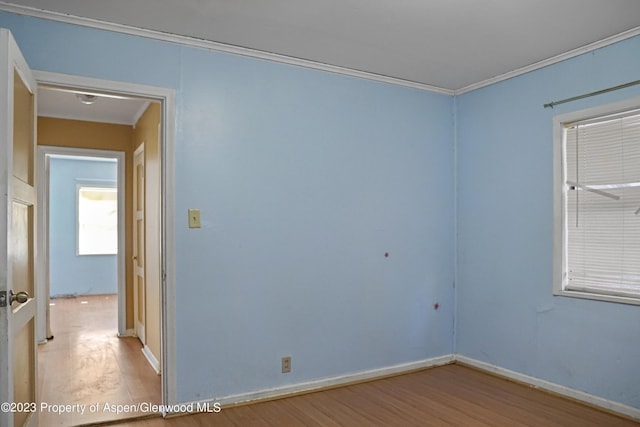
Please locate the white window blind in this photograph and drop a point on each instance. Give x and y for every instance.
(602, 205)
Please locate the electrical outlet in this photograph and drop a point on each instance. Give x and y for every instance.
(286, 364)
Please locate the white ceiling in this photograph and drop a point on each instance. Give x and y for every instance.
(449, 44)
(64, 104)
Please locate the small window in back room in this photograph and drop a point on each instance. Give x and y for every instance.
(97, 220)
(600, 205)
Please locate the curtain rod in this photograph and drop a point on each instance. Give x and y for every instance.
(587, 95)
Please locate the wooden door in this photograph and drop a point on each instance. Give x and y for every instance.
(139, 284)
(18, 350)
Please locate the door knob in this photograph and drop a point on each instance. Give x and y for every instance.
(21, 297)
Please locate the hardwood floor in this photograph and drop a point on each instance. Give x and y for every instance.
(87, 364)
(452, 395)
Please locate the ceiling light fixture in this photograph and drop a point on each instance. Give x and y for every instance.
(86, 98)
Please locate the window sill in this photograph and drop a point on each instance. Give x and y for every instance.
(598, 297)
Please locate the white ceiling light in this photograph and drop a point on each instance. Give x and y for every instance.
(86, 98)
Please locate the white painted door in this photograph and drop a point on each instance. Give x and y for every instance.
(18, 350)
(139, 285)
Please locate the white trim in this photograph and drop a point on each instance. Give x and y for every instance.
(373, 374)
(217, 46)
(559, 229)
(110, 182)
(101, 86)
(558, 226)
(598, 297)
(128, 333)
(42, 243)
(151, 358)
(268, 56)
(75, 117)
(317, 385)
(600, 110)
(168, 256)
(553, 387)
(553, 60)
(140, 328)
(139, 113)
(43, 229)
(167, 98)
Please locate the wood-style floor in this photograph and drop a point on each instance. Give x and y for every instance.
(86, 363)
(452, 395)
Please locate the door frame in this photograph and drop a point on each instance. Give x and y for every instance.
(142, 336)
(42, 223)
(166, 97)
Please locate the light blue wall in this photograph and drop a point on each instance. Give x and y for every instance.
(506, 314)
(70, 274)
(308, 178)
(304, 180)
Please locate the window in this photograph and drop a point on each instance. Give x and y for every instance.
(97, 220)
(597, 203)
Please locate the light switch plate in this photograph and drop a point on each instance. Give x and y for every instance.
(194, 218)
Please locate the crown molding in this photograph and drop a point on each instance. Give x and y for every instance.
(139, 113)
(553, 60)
(305, 63)
(216, 46)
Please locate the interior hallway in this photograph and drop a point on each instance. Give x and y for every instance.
(86, 363)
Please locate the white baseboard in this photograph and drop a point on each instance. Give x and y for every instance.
(128, 333)
(552, 387)
(326, 383)
(151, 358)
(305, 387)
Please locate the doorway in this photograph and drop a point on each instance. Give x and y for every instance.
(66, 137)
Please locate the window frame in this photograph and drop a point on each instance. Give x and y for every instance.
(559, 200)
(91, 184)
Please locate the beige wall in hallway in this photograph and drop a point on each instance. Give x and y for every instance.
(146, 130)
(99, 136)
